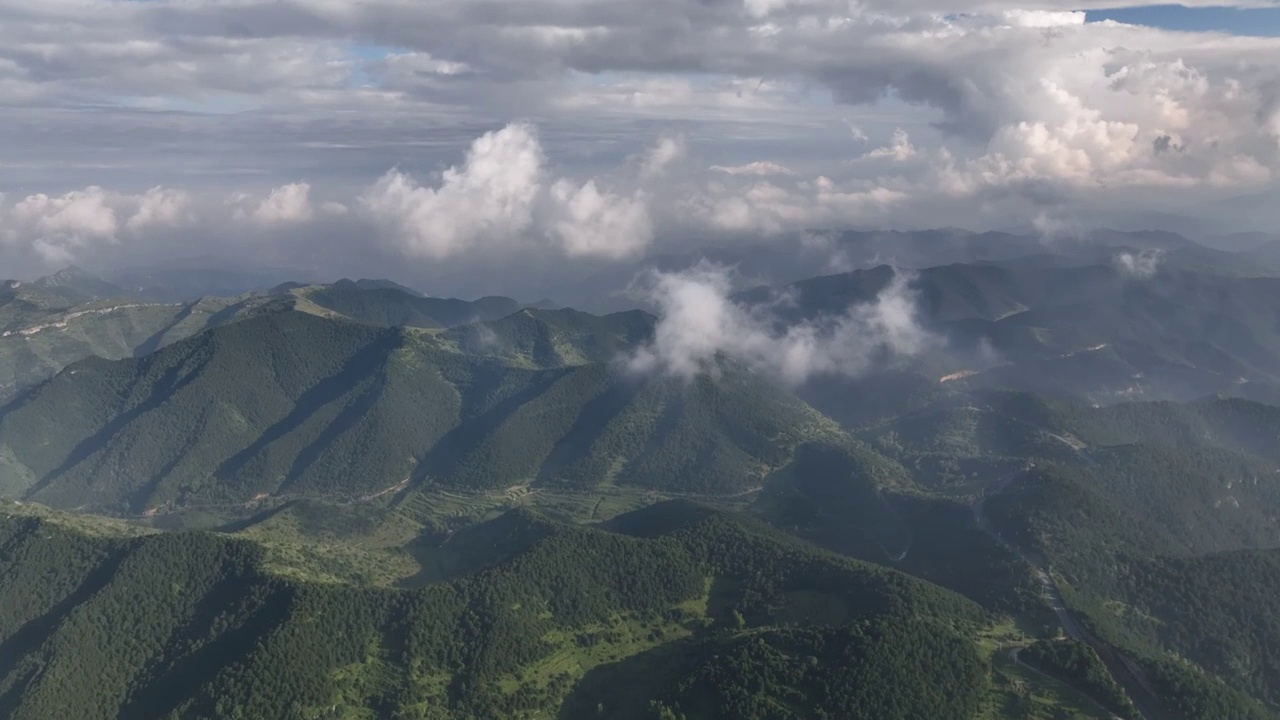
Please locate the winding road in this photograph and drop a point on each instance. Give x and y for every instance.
(1121, 668)
(62, 321)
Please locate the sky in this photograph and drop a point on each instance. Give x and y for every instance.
(432, 140)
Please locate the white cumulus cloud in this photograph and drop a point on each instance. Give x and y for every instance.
(699, 323)
(488, 200)
(899, 148)
(600, 224)
(59, 229)
(161, 206)
(289, 203)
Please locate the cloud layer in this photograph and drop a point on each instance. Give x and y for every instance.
(604, 129)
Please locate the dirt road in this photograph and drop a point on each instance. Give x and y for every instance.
(1121, 668)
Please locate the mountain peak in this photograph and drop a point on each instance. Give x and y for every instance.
(67, 274)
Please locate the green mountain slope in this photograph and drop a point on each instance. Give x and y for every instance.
(1118, 504)
(44, 342)
(361, 456)
(1228, 423)
(289, 404)
(1132, 572)
(51, 323)
(23, 303)
(189, 625)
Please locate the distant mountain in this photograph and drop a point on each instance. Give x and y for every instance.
(77, 286)
(201, 277)
(791, 258)
(817, 253)
(1093, 332)
(544, 304)
(1265, 254)
(1142, 239)
(384, 284)
(1241, 242)
(21, 302)
(379, 303)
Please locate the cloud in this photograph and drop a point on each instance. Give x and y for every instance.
(163, 207)
(758, 168)
(699, 324)
(764, 207)
(659, 158)
(502, 198)
(1043, 18)
(1141, 264)
(289, 203)
(57, 229)
(899, 148)
(600, 224)
(66, 221)
(1001, 104)
(488, 200)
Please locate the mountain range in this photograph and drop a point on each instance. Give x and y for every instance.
(352, 500)
(47, 324)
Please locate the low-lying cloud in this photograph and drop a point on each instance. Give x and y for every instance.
(1139, 264)
(57, 228)
(700, 323)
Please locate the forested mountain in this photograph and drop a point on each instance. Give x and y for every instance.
(21, 302)
(189, 625)
(427, 508)
(49, 324)
(1092, 332)
(1120, 504)
(1140, 584)
(287, 403)
(1095, 333)
(40, 343)
(74, 286)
